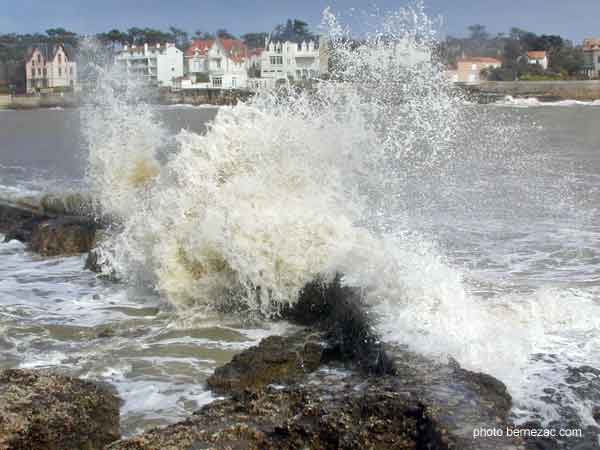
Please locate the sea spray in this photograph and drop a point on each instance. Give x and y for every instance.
(292, 186)
(274, 194)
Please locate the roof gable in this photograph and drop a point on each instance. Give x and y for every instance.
(49, 51)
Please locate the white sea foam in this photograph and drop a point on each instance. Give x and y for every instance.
(288, 187)
(528, 102)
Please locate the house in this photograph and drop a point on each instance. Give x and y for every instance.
(539, 57)
(591, 57)
(469, 69)
(158, 64)
(293, 59)
(50, 67)
(254, 62)
(451, 74)
(222, 63)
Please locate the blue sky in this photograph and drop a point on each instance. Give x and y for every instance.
(574, 19)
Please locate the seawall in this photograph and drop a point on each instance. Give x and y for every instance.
(204, 97)
(67, 100)
(543, 90)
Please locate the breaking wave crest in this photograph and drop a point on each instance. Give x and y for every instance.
(279, 190)
(292, 186)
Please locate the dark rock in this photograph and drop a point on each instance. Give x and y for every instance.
(596, 414)
(48, 226)
(92, 262)
(330, 409)
(39, 410)
(69, 204)
(275, 360)
(64, 236)
(15, 213)
(487, 388)
(339, 311)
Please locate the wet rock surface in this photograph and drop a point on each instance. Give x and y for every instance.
(325, 387)
(330, 409)
(275, 360)
(40, 410)
(64, 236)
(48, 225)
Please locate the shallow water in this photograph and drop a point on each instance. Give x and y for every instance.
(53, 314)
(514, 292)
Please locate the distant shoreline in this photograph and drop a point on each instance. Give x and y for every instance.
(485, 93)
(544, 91)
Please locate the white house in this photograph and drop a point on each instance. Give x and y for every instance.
(394, 55)
(470, 68)
(293, 60)
(50, 67)
(157, 64)
(217, 64)
(591, 57)
(538, 57)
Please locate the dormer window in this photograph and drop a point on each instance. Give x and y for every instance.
(40, 59)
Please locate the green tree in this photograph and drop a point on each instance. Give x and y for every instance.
(478, 32)
(222, 33)
(199, 34)
(180, 37)
(255, 40)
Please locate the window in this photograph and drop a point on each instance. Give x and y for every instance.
(60, 59)
(39, 71)
(71, 70)
(217, 82)
(59, 72)
(32, 73)
(233, 82)
(276, 60)
(598, 59)
(45, 72)
(40, 59)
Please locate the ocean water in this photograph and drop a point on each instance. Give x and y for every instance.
(473, 230)
(55, 315)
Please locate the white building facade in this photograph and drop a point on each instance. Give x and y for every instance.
(591, 57)
(538, 57)
(50, 67)
(158, 64)
(293, 61)
(216, 64)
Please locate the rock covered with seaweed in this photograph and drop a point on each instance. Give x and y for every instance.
(41, 410)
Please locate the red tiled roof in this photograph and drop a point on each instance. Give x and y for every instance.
(203, 45)
(235, 48)
(536, 54)
(480, 59)
(256, 52)
(591, 43)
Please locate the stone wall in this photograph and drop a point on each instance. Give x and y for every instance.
(66, 100)
(204, 97)
(544, 90)
(5, 101)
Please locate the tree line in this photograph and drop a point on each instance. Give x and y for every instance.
(13, 46)
(565, 58)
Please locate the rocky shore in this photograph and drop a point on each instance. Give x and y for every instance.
(330, 385)
(52, 225)
(44, 411)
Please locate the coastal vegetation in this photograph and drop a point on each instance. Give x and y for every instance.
(565, 58)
